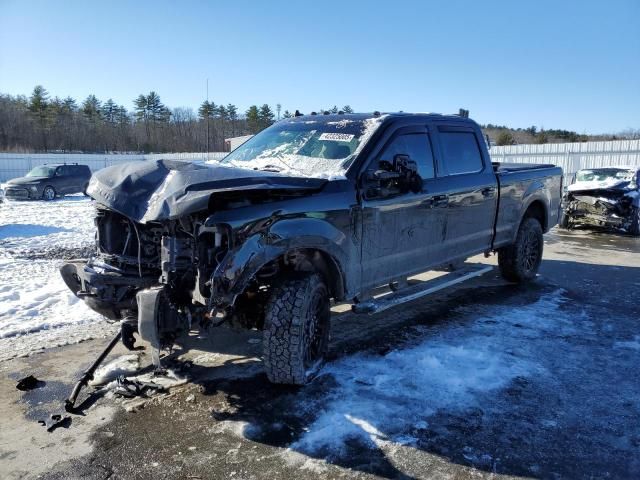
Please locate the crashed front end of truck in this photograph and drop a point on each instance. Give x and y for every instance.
(606, 198)
(167, 255)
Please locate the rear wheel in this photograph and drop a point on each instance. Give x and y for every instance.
(634, 227)
(296, 330)
(520, 261)
(48, 193)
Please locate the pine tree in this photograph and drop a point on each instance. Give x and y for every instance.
(39, 100)
(91, 108)
(70, 104)
(207, 110)
(109, 112)
(232, 113)
(347, 109)
(265, 116)
(141, 109)
(287, 114)
(38, 106)
(253, 119)
(157, 112)
(334, 109)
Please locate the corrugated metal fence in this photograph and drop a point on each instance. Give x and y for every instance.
(14, 165)
(572, 156)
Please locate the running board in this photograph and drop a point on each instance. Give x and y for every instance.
(418, 291)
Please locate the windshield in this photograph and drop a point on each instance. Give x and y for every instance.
(42, 172)
(603, 174)
(320, 148)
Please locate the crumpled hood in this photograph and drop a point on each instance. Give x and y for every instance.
(617, 184)
(155, 190)
(25, 180)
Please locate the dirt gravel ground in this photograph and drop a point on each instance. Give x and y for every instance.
(484, 380)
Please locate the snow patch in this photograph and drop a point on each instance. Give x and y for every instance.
(381, 400)
(124, 365)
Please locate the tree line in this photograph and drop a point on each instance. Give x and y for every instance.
(41, 123)
(503, 135)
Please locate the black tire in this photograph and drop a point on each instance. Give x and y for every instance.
(296, 330)
(520, 261)
(49, 193)
(634, 226)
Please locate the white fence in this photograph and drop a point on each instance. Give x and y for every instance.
(14, 165)
(572, 156)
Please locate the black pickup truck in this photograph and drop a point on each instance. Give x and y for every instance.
(311, 209)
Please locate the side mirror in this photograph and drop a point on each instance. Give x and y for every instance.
(403, 163)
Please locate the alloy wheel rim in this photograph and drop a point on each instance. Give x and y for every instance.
(530, 251)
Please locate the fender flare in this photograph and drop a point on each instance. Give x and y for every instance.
(239, 266)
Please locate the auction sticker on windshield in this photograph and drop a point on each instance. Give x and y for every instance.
(336, 137)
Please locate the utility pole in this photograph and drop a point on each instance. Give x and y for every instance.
(208, 115)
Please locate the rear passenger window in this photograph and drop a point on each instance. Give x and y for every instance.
(417, 146)
(460, 152)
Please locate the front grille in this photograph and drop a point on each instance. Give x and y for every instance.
(13, 192)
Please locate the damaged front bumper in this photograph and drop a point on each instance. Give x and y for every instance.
(598, 211)
(104, 288)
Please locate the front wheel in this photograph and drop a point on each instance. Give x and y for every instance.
(520, 261)
(564, 221)
(296, 330)
(48, 193)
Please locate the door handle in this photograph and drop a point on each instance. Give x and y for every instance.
(440, 200)
(488, 192)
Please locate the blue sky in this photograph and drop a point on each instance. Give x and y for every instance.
(573, 65)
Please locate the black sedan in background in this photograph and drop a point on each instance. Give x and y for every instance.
(48, 181)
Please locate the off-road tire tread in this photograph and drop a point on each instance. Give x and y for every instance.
(508, 261)
(285, 314)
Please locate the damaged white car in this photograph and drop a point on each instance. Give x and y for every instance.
(604, 197)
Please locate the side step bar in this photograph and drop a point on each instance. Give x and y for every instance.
(414, 292)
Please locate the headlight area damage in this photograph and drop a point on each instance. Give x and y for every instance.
(173, 249)
(616, 207)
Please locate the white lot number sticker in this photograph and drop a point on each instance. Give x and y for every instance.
(336, 137)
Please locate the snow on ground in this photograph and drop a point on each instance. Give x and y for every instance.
(35, 237)
(381, 399)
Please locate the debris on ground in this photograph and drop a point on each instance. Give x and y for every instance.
(135, 388)
(56, 420)
(29, 383)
